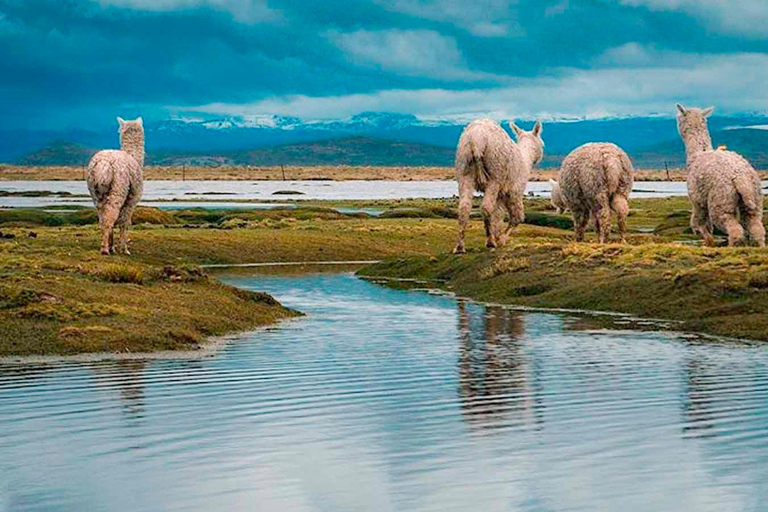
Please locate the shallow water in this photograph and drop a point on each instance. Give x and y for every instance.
(204, 192)
(385, 400)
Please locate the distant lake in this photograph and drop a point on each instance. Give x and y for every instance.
(204, 192)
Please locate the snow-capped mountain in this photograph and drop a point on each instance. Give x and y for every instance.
(221, 136)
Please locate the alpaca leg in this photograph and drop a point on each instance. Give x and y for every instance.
(700, 224)
(497, 224)
(580, 221)
(110, 210)
(756, 229)
(466, 191)
(516, 210)
(620, 205)
(489, 206)
(732, 226)
(124, 222)
(602, 214)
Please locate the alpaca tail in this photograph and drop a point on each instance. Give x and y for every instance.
(620, 170)
(470, 160)
(750, 192)
(100, 177)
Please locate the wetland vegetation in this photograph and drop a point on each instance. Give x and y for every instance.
(59, 296)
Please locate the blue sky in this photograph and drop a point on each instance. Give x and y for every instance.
(71, 63)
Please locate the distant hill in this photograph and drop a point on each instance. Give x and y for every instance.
(349, 151)
(751, 143)
(392, 141)
(60, 153)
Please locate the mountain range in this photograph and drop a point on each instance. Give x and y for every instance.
(370, 138)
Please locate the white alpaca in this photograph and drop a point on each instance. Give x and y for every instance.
(489, 161)
(594, 179)
(116, 181)
(556, 198)
(722, 186)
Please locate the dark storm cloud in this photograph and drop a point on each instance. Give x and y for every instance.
(64, 61)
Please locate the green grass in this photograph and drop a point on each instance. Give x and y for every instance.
(58, 295)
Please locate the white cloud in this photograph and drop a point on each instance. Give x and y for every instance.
(742, 17)
(245, 11)
(639, 55)
(557, 9)
(482, 18)
(728, 82)
(422, 53)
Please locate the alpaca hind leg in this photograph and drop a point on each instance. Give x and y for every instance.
(602, 215)
(620, 205)
(700, 224)
(755, 228)
(466, 191)
(497, 224)
(732, 226)
(516, 210)
(488, 208)
(580, 221)
(110, 210)
(124, 223)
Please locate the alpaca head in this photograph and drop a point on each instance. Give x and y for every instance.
(130, 127)
(530, 142)
(557, 197)
(132, 137)
(692, 126)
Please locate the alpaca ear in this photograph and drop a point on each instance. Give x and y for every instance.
(121, 121)
(681, 108)
(140, 121)
(538, 128)
(708, 111)
(518, 131)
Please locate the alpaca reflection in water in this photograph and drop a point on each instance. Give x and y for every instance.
(496, 381)
(127, 377)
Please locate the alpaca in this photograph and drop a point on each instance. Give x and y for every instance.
(489, 161)
(722, 185)
(556, 198)
(116, 182)
(593, 180)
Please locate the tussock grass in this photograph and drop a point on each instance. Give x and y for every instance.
(118, 273)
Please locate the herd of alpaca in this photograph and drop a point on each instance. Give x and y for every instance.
(594, 179)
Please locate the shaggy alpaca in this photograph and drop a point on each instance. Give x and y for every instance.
(556, 198)
(595, 179)
(489, 161)
(721, 184)
(116, 182)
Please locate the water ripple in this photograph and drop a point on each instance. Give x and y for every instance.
(382, 399)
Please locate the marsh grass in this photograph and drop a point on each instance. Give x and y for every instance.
(58, 295)
(120, 273)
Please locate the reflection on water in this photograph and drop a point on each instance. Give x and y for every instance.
(125, 377)
(495, 375)
(382, 399)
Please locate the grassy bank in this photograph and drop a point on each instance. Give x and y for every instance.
(59, 296)
(320, 172)
(722, 291)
